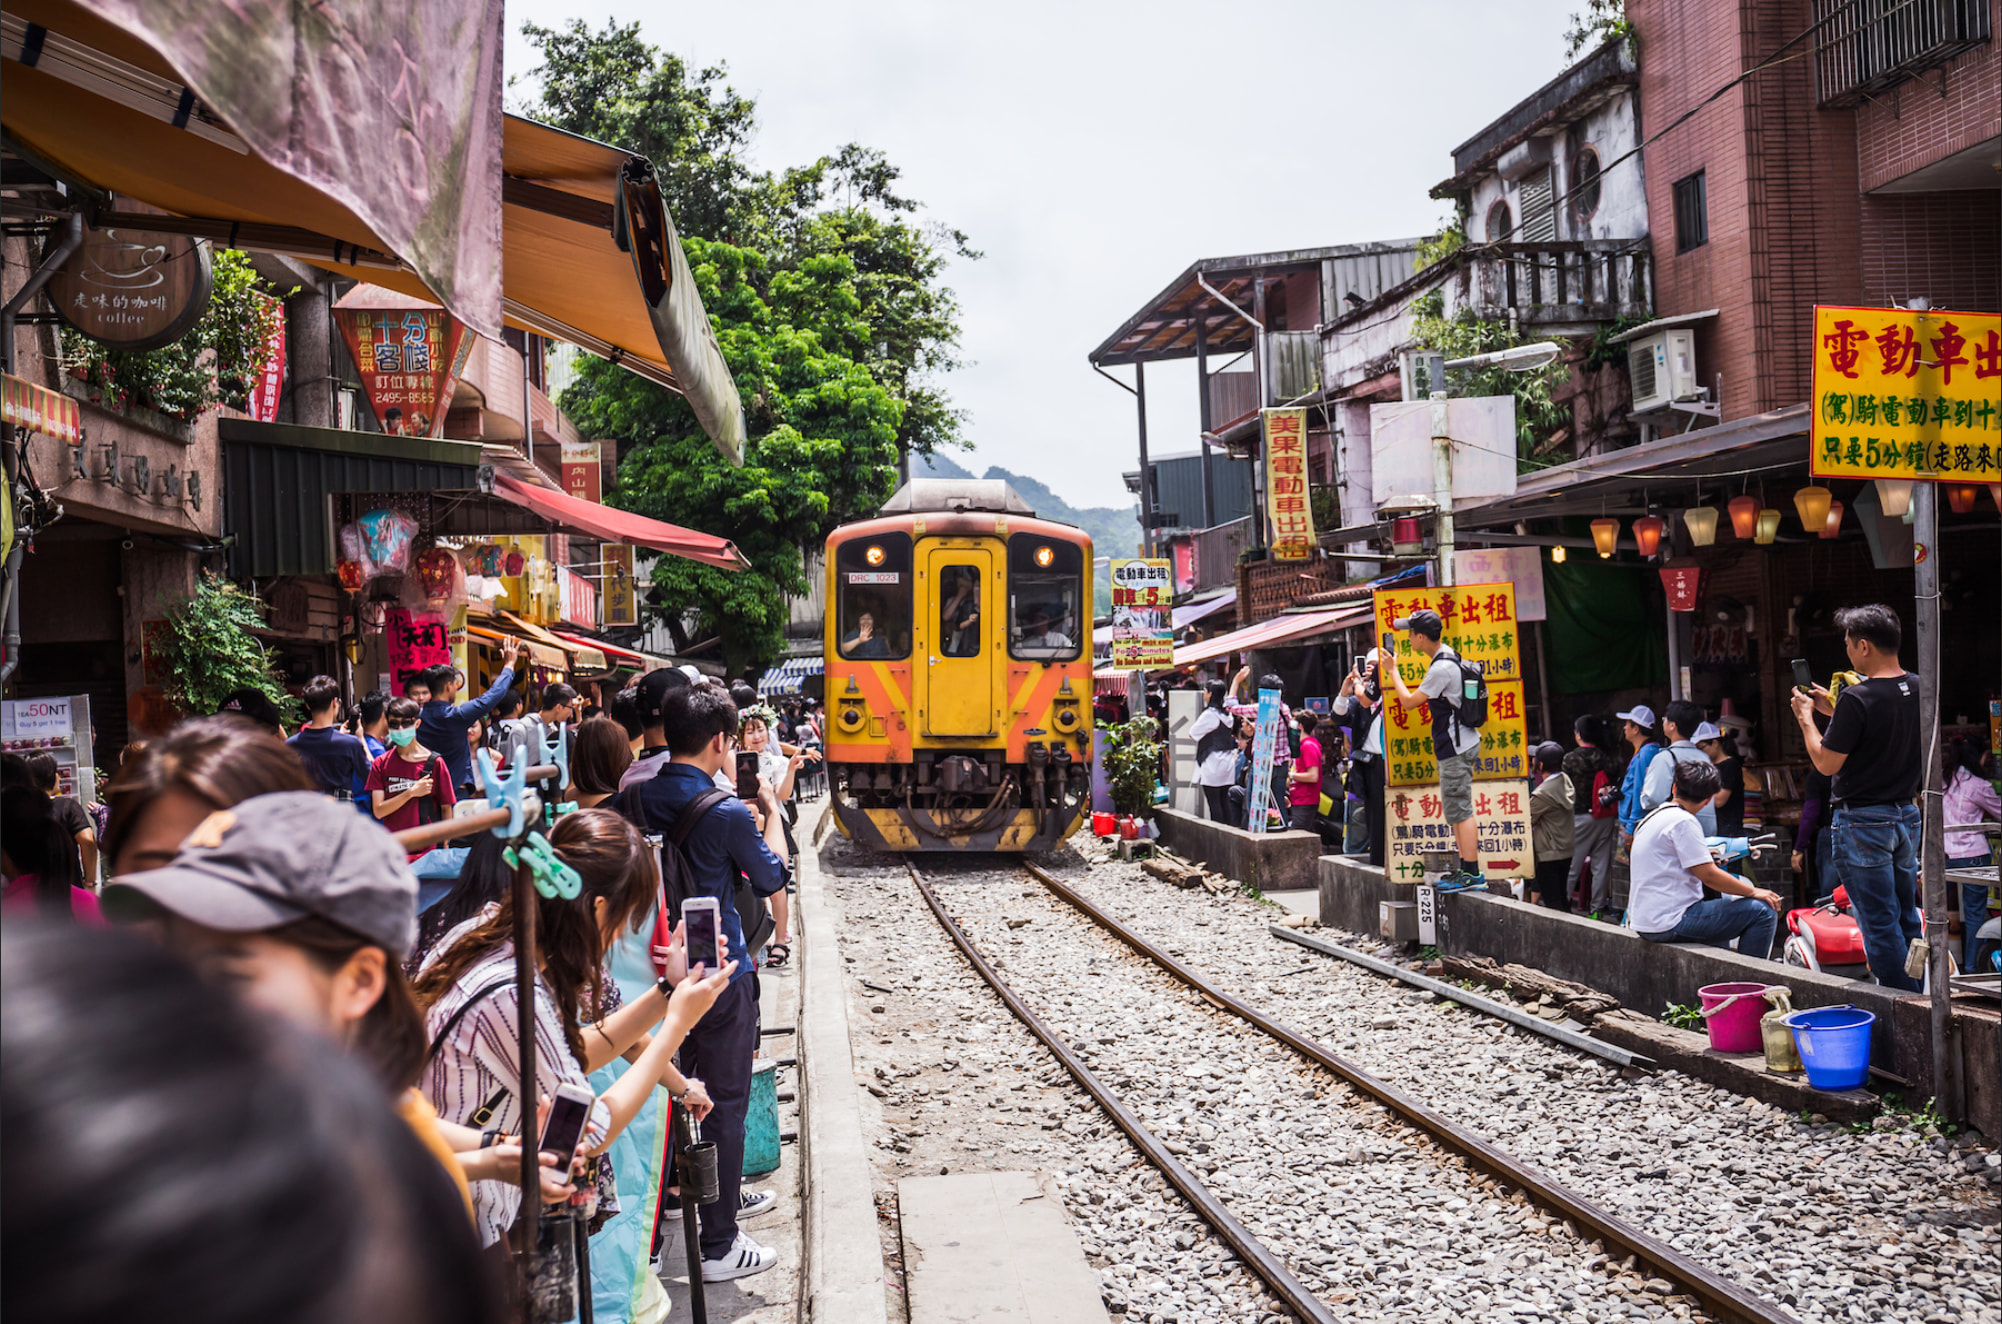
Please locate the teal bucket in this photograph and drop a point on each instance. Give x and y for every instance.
(1834, 1045)
(761, 1123)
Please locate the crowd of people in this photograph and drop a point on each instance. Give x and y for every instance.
(256, 904)
(1651, 795)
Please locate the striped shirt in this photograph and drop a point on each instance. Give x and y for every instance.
(482, 1059)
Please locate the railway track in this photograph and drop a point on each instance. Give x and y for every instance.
(1444, 1145)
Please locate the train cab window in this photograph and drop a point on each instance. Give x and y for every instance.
(959, 611)
(873, 585)
(1045, 599)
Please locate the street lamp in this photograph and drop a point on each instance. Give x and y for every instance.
(1519, 358)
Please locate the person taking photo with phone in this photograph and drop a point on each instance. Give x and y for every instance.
(1453, 745)
(1871, 753)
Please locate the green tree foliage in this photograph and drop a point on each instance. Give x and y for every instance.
(1132, 765)
(828, 303)
(1600, 21)
(210, 652)
(215, 363)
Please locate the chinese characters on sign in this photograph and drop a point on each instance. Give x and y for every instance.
(1481, 626)
(1142, 590)
(266, 386)
(1504, 751)
(621, 598)
(582, 476)
(408, 359)
(416, 640)
(1263, 749)
(1901, 394)
(1416, 822)
(1289, 519)
(134, 289)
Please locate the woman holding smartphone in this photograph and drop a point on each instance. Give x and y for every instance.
(467, 990)
(780, 766)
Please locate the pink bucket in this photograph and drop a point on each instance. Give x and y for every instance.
(1731, 1012)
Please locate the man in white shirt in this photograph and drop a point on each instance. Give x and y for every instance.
(1453, 745)
(1671, 867)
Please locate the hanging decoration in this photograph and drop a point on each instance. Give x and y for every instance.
(437, 572)
(1768, 528)
(1684, 586)
(1832, 527)
(1647, 534)
(1745, 516)
(1606, 537)
(1701, 524)
(1812, 504)
(350, 573)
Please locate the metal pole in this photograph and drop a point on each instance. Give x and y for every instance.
(525, 965)
(1442, 488)
(1543, 680)
(1146, 472)
(1264, 402)
(1932, 842)
(1203, 418)
(1674, 656)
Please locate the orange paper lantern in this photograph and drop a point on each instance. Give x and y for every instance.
(1647, 534)
(1812, 503)
(1605, 536)
(1961, 497)
(1744, 516)
(1833, 526)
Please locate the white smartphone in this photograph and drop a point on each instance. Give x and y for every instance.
(569, 1110)
(703, 916)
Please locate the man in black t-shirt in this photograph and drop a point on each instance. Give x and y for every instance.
(1871, 751)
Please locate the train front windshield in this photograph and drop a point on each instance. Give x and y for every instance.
(872, 583)
(1045, 599)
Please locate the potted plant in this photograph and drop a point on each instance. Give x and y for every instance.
(1132, 765)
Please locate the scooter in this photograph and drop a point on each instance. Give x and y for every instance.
(1826, 938)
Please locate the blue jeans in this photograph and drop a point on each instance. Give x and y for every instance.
(1715, 922)
(1973, 908)
(1876, 850)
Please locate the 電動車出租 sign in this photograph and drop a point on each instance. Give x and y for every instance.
(1905, 394)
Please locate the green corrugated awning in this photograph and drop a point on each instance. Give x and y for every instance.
(278, 478)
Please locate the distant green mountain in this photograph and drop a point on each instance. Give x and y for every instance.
(1114, 532)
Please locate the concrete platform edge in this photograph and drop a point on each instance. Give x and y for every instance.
(843, 1269)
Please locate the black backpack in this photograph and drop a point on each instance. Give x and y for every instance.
(1472, 710)
(677, 875)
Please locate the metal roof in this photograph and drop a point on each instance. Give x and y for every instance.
(1165, 326)
(924, 495)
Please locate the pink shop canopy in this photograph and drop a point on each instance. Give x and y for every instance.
(615, 525)
(1270, 634)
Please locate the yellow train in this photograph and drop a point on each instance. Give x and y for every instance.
(958, 672)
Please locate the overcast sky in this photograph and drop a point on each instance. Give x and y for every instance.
(1092, 151)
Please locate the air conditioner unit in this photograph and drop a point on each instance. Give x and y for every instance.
(1663, 369)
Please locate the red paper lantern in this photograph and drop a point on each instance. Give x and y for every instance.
(1961, 497)
(436, 570)
(1647, 534)
(1684, 586)
(350, 573)
(513, 564)
(1744, 516)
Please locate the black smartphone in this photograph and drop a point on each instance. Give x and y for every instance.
(1803, 678)
(569, 1110)
(747, 775)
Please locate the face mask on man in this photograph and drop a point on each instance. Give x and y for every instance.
(402, 738)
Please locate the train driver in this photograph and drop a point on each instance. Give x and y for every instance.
(1040, 633)
(863, 641)
(959, 614)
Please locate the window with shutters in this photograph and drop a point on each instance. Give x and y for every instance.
(1539, 216)
(1692, 215)
(1500, 224)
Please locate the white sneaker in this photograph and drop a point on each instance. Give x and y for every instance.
(744, 1258)
(752, 1203)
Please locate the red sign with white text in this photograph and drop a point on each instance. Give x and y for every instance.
(408, 359)
(264, 391)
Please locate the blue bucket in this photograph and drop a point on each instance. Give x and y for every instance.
(1834, 1045)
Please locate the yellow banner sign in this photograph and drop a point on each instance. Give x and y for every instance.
(620, 596)
(1480, 625)
(1289, 518)
(1504, 751)
(1416, 823)
(1143, 652)
(1901, 394)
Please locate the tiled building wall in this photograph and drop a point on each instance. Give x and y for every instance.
(1916, 125)
(1944, 246)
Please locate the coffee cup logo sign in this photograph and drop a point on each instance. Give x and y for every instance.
(134, 289)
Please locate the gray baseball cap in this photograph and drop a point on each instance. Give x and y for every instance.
(1425, 621)
(277, 858)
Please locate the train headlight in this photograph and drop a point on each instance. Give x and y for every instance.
(874, 556)
(1046, 557)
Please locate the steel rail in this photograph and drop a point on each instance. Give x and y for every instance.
(1240, 1238)
(1718, 1295)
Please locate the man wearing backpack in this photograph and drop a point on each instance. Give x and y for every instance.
(1454, 742)
(721, 842)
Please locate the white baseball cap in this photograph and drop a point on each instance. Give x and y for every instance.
(1640, 715)
(1706, 731)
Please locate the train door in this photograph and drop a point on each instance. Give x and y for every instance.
(959, 689)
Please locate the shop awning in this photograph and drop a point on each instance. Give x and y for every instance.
(288, 129)
(790, 676)
(573, 210)
(579, 655)
(543, 655)
(1272, 633)
(1191, 612)
(615, 525)
(367, 125)
(614, 655)
(35, 408)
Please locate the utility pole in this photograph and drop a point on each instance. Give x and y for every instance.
(1146, 472)
(1203, 417)
(1932, 829)
(1442, 488)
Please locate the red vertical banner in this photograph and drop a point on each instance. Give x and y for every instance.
(408, 359)
(265, 390)
(582, 474)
